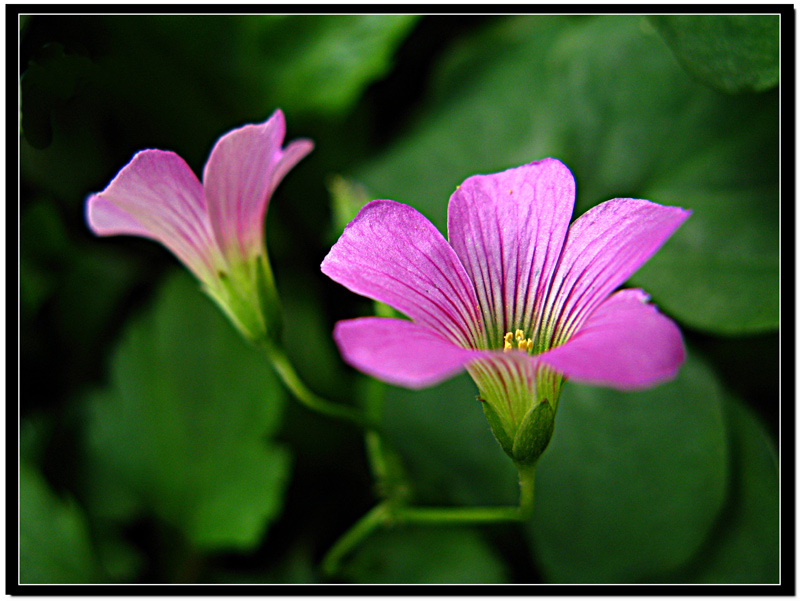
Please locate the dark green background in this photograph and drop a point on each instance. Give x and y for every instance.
(157, 447)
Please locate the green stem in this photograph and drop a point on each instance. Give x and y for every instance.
(455, 515)
(527, 475)
(389, 513)
(283, 367)
(372, 440)
(360, 530)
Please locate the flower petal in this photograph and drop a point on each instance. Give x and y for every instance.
(508, 229)
(625, 343)
(391, 253)
(400, 352)
(603, 248)
(158, 196)
(244, 168)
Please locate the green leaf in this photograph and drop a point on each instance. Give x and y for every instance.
(183, 428)
(728, 259)
(54, 544)
(631, 483)
(628, 122)
(744, 545)
(324, 63)
(424, 555)
(451, 455)
(732, 53)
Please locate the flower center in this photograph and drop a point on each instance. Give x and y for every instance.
(523, 344)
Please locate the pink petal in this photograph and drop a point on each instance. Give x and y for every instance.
(393, 254)
(400, 352)
(242, 171)
(290, 156)
(158, 196)
(603, 248)
(508, 229)
(625, 343)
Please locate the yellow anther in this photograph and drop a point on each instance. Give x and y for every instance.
(529, 345)
(508, 337)
(519, 335)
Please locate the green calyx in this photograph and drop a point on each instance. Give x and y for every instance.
(527, 443)
(247, 295)
(521, 411)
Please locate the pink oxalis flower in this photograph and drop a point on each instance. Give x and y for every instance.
(216, 228)
(518, 298)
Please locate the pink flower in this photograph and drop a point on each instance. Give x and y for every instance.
(518, 298)
(216, 228)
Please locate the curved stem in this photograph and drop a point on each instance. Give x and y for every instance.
(283, 367)
(360, 530)
(388, 512)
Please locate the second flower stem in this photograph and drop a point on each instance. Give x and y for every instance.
(283, 367)
(390, 512)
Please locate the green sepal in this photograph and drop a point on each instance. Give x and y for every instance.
(247, 295)
(497, 428)
(533, 434)
(269, 300)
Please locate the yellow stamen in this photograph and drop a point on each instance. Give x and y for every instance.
(523, 344)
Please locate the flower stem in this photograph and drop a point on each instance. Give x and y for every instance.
(455, 515)
(526, 489)
(389, 513)
(360, 530)
(283, 367)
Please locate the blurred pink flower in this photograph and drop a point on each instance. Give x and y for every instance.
(216, 228)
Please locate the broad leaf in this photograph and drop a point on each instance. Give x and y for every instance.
(183, 429)
(425, 555)
(733, 53)
(632, 483)
(323, 64)
(54, 543)
(744, 546)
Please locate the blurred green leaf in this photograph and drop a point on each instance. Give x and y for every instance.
(628, 122)
(322, 64)
(744, 546)
(425, 555)
(632, 482)
(54, 544)
(183, 428)
(732, 53)
(451, 455)
(728, 258)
